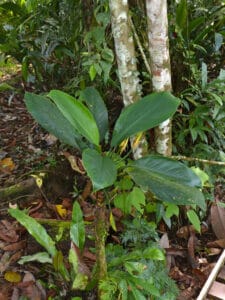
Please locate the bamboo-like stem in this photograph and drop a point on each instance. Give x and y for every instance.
(195, 159)
(140, 46)
(212, 277)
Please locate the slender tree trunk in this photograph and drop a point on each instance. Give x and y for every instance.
(126, 61)
(160, 65)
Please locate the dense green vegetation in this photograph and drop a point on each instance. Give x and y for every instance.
(67, 45)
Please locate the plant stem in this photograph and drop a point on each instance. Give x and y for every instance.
(195, 159)
(101, 231)
(140, 47)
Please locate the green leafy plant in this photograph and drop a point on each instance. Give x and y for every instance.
(86, 125)
(77, 277)
(140, 263)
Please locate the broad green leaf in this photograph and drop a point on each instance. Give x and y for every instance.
(121, 201)
(41, 257)
(194, 219)
(153, 253)
(156, 174)
(92, 72)
(77, 230)
(147, 113)
(37, 231)
(137, 199)
(97, 106)
(171, 210)
(77, 114)
(204, 177)
(170, 168)
(181, 15)
(125, 184)
(101, 169)
(49, 117)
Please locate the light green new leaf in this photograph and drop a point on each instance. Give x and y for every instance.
(101, 169)
(171, 210)
(97, 106)
(167, 180)
(77, 229)
(49, 117)
(137, 199)
(77, 114)
(153, 253)
(41, 257)
(121, 201)
(194, 219)
(146, 113)
(37, 231)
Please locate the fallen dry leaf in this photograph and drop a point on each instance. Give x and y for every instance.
(185, 231)
(8, 232)
(31, 288)
(7, 165)
(62, 212)
(12, 276)
(75, 162)
(15, 246)
(213, 251)
(217, 243)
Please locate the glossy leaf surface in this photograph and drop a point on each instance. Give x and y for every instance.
(46, 113)
(37, 231)
(97, 106)
(147, 113)
(77, 114)
(101, 169)
(155, 174)
(77, 230)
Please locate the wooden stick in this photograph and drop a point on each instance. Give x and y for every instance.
(212, 277)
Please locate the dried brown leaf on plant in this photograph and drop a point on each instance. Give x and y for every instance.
(75, 162)
(192, 243)
(165, 244)
(218, 220)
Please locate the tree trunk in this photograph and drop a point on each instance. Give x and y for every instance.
(160, 65)
(126, 61)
